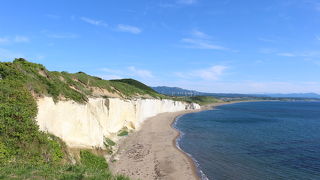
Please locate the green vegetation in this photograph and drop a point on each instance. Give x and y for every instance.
(92, 161)
(202, 100)
(123, 133)
(26, 152)
(109, 142)
(142, 88)
(78, 86)
(20, 138)
(92, 167)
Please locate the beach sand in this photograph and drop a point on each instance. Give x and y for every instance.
(151, 152)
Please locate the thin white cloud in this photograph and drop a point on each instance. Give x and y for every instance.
(199, 34)
(187, 1)
(177, 3)
(317, 37)
(140, 72)
(309, 54)
(4, 40)
(21, 39)
(200, 40)
(212, 73)
(201, 44)
(94, 22)
(128, 28)
(15, 39)
(306, 54)
(312, 54)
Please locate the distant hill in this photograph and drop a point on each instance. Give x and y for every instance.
(146, 89)
(176, 91)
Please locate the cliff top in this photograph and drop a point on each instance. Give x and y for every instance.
(75, 86)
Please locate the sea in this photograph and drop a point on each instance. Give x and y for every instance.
(254, 141)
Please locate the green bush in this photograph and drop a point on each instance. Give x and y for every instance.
(19, 133)
(49, 172)
(55, 145)
(123, 133)
(4, 154)
(92, 161)
(109, 142)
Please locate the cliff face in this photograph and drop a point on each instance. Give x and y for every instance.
(86, 125)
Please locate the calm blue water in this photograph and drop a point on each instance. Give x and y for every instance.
(255, 140)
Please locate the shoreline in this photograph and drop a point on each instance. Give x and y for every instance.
(192, 161)
(153, 153)
(195, 169)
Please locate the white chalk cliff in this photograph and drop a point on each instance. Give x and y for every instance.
(86, 125)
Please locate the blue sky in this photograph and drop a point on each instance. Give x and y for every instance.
(243, 46)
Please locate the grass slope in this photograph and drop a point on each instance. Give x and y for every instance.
(77, 86)
(26, 152)
(144, 88)
(91, 167)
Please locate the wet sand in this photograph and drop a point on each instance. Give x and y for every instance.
(151, 152)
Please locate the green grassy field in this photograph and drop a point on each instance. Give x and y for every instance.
(202, 100)
(90, 167)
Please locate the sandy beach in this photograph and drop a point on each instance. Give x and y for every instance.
(151, 152)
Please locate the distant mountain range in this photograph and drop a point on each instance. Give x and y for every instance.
(176, 91)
